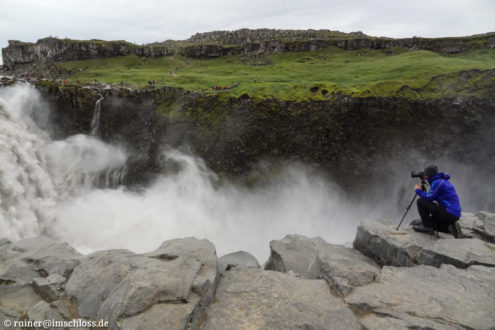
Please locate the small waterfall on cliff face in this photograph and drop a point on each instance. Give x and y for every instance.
(114, 176)
(95, 122)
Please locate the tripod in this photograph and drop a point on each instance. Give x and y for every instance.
(407, 209)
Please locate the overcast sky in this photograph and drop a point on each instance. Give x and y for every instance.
(144, 21)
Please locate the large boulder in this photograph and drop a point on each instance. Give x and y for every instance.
(428, 297)
(250, 298)
(405, 247)
(171, 285)
(239, 259)
(294, 253)
(313, 258)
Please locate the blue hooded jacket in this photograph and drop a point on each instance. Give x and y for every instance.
(444, 192)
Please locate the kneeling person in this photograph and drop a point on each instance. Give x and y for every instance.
(444, 215)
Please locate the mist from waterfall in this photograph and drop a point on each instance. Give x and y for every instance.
(55, 188)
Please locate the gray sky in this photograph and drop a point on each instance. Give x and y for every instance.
(144, 21)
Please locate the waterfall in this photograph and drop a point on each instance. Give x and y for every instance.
(37, 173)
(27, 191)
(95, 122)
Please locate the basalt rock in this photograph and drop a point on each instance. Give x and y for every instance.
(253, 298)
(178, 280)
(428, 297)
(239, 259)
(58, 50)
(344, 268)
(434, 283)
(345, 137)
(406, 248)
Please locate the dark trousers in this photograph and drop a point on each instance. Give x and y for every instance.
(433, 215)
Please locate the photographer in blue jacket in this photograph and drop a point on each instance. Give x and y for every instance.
(439, 208)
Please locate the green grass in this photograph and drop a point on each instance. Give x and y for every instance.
(288, 75)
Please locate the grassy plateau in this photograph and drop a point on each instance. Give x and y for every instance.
(290, 75)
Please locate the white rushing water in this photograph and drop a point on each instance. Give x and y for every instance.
(55, 188)
(95, 122)
(48, 187)
(37, 173)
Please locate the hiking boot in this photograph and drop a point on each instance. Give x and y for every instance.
(455, 229)
(423, 229)
(416, 222)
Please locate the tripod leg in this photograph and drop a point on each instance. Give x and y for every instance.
(407, 210)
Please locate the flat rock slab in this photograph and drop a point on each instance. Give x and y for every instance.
(406, 248)
(314, 258)
(251, 298)
(423, 296)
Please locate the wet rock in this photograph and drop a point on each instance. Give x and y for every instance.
(253, 298)
(406, 248)
(441, 297)
(239, 259)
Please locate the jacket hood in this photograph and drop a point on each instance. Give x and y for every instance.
(439, 176)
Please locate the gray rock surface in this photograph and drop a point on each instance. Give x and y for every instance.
(124, 288)
(428, 297)
(392, 321)
(29, 258)
(6, 314)
(32, 269)
(49, 288)
(174, 316)
(405, 247)
(344, 269)
(239, 259)
(95, 277)
(486, 226)
(18, 297)
(480, 225)
(314, 258)
(294, 253)
(250, 298)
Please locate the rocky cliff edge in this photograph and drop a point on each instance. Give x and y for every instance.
(390, 279)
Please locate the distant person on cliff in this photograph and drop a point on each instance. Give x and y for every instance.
(444, 214)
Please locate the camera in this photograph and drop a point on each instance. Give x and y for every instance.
(420, 175)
